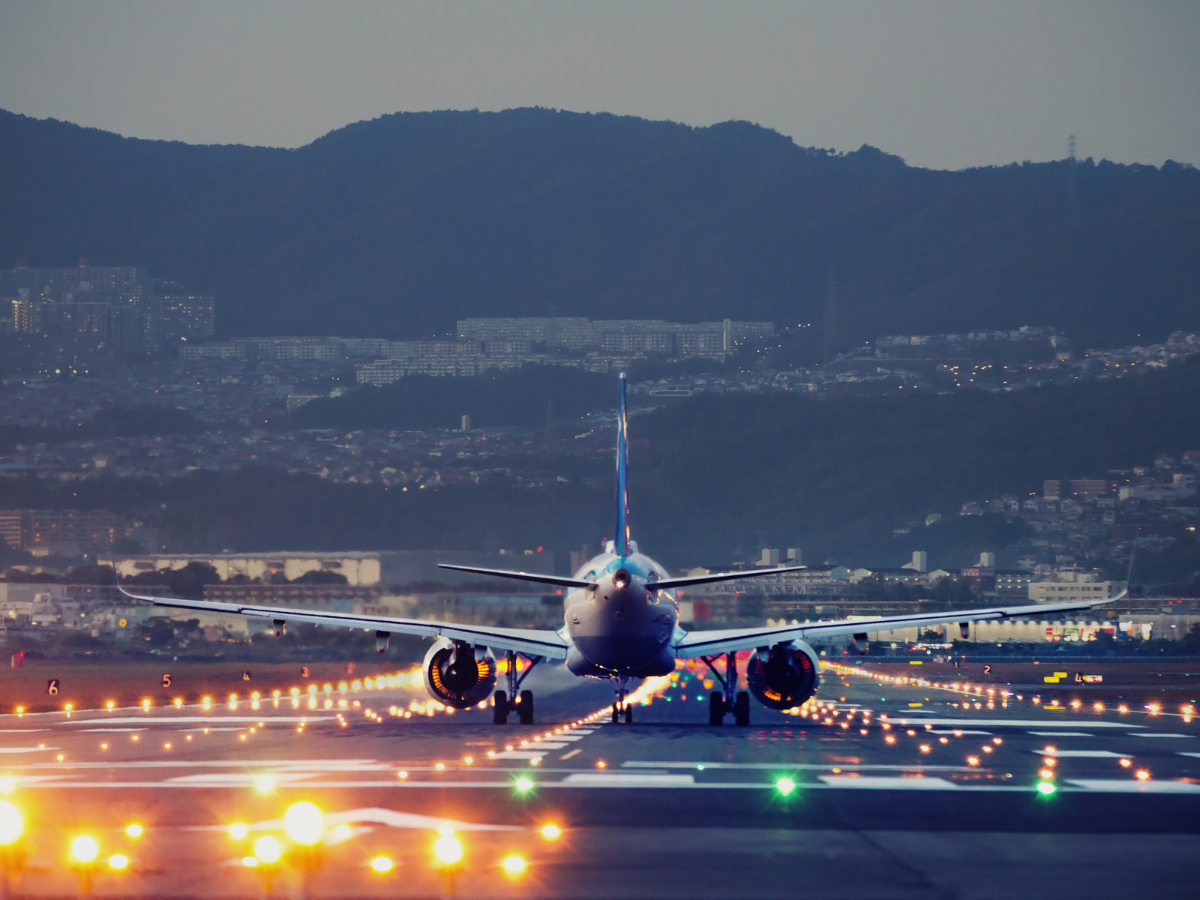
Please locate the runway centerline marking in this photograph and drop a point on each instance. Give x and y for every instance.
(626, 780)
(880, 783)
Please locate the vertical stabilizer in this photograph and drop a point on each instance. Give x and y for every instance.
(621, 536)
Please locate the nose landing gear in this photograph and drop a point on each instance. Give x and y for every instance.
(731, 700)
(620, 707)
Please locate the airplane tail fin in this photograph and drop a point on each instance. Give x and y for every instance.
(621, 536)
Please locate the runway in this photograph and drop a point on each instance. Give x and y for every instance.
(883, 788)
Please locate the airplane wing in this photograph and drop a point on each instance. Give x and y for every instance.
(523, 576)
(711, 577)
(530, 641)
(709, 643)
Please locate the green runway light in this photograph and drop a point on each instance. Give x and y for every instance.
(523, 784)
(785, 786)
(1046, 788)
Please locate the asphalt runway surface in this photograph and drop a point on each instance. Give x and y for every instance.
(884, 789)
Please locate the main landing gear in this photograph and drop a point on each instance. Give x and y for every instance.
(731, 700)
(521, 703)
(620, 707)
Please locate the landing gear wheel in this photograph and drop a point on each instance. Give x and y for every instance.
(628, 714)
(716, 708)
(741, 709)
(616, 713)
(525, 708)
(500, 708)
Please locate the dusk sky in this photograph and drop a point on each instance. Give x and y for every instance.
(942, 84)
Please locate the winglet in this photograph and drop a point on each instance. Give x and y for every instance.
(112, 557)
(621, 534)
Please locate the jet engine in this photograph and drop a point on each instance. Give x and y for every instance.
(458, 674)
(785, 676)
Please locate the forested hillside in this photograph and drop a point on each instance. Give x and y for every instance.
(399, 226)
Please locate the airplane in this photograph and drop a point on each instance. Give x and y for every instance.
(621, 622)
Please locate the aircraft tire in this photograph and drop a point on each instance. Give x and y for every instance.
(525, 707)
(716, 708)
(500, 710)
(741, 709)
(616, 713)
(628, 714)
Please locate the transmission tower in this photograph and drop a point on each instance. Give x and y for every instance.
(1071, 218)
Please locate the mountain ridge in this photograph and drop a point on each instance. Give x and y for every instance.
(400, 225)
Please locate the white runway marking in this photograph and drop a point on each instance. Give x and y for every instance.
(1151, 734)
(117, 730)
(881, 783)
(624, 780)
(1082, 754)
(955, 731)
(701, 766)
(1062, 733)
(574, 752)
(1129, 786)
(376, 816)
(236, 779)
(26, 749)
(549, 745)
(519, 754)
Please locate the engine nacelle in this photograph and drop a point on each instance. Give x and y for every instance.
(458, 674)
(785, 677)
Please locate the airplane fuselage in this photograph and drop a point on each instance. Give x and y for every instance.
(621, 628)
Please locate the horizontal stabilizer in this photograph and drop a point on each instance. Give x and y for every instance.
(718, 576)
(523, 576)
